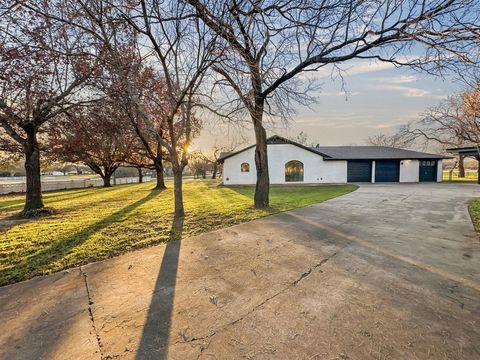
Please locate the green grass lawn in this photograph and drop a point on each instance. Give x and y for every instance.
(470, 176)
(474, 209)
(96, 223)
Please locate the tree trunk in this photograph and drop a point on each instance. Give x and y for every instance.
(33, 199)
(177, 191)
(140, 175)
(106, 180)
(262, 187)
(215, 169)
(461, 167)
(160, 177)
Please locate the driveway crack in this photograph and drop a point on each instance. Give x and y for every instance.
(90, 313)
(262, 303)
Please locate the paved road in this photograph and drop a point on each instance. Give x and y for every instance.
(386, 272)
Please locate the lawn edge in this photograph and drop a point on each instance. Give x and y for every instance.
(473, 218)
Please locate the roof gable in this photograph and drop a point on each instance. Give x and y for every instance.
(272, 140)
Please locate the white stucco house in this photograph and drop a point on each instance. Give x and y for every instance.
(290, 162)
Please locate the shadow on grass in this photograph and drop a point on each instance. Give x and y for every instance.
(32, 265)
(155, 335)
(51, 198)
(244, 190)
(279, 189)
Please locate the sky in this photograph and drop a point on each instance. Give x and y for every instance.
(378, 99)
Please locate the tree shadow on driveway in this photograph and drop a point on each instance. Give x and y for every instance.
(32, 265)
(155, 335)
(41, 316)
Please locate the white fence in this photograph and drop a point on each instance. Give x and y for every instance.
(50, 185)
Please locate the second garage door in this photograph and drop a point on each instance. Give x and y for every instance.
(387, 171)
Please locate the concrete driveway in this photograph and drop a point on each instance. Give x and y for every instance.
(386, 272)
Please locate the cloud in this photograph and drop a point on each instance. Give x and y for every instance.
(413, 92)
(351, 68)
(407, 91)
(402, 85)
(404, 79)
(339, 93)
(364, 68)
(399, 120)
(339, 120)
(358, 120)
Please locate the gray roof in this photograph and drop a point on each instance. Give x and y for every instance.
(347, 152)
(371, 153)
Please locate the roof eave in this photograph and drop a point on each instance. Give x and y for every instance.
(391, 158)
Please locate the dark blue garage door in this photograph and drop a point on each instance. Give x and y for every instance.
(359, 171)
(387, 171)
(428, 170)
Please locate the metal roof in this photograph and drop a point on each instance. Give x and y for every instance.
(347, 152)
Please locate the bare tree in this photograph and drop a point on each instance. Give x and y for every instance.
(212, 156)
(199, 165)
(184, 50)
(302, 138)
(400, 139)
(42, 70)
(454, 122)
(270, 43)
(181, 47)
(420, 135)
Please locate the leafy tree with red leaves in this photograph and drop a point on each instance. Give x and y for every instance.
(42, 70)
(96, 135)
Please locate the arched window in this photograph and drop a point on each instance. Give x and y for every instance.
(294, 171)
(245, 167)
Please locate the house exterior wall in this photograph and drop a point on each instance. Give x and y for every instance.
(374, 165)
(231, 168)
(439, 171)
(409, 170)
(315, 169)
